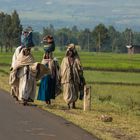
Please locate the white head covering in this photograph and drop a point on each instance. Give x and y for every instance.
(71, 47)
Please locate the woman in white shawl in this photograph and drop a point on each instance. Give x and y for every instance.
(25, 79)
(25, 71)
(24, 74)
(70, 70)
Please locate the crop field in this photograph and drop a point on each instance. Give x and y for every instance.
(107, 77)
(115, 82)
(92, 60)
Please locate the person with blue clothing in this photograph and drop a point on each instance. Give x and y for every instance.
(30, 37)
(47, 88)
(49, 44)
(27, 38)
(24, 38)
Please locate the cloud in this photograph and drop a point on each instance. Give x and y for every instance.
(123, 21)
(48, 3)
(80, 11)
(117, 11)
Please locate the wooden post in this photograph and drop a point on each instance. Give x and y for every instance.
(87, 98)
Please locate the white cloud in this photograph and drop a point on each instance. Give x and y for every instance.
(117, 10)
(123, 21)
(105, 11)
(48, 3)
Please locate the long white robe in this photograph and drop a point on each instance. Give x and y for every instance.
(24, 77)
(25, 73)
(27, 83)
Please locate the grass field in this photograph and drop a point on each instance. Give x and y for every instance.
(101, 61)
(107, 77)
(116, 94)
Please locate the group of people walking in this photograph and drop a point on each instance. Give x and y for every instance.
(54, 79)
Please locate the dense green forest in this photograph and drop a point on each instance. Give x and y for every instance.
(101, 38)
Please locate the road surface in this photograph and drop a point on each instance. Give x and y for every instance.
(18, 122)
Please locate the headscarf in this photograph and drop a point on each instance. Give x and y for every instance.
(72, 47)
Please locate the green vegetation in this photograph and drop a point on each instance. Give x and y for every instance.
(107, 77)
(109, 61)
(115, 94)
(10, 30)
(94, 61)
(103, 61)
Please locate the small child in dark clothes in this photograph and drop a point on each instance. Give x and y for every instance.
(27, 38)
(49, 45)
(24, 38)
(30, 37)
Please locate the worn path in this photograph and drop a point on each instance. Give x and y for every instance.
(18, 122)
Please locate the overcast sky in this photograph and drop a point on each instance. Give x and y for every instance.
(115, 12)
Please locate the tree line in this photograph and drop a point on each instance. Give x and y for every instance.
(10, 31)
(101, 38)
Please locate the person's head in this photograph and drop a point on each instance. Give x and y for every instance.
(26, 51)
(48, 39)
(29, 28)
(71, 51)
(25, 31)
(24, 37)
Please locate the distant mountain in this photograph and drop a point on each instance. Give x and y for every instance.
(84, 14)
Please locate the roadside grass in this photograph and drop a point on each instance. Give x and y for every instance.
(126, 120)
(124, 98)
(4, 84)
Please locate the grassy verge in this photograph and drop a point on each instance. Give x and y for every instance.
(4, 84)
(126, 115)
(123, 107)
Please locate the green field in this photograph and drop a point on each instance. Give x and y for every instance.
(115, 82)
(107, 77)
(99, 61)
